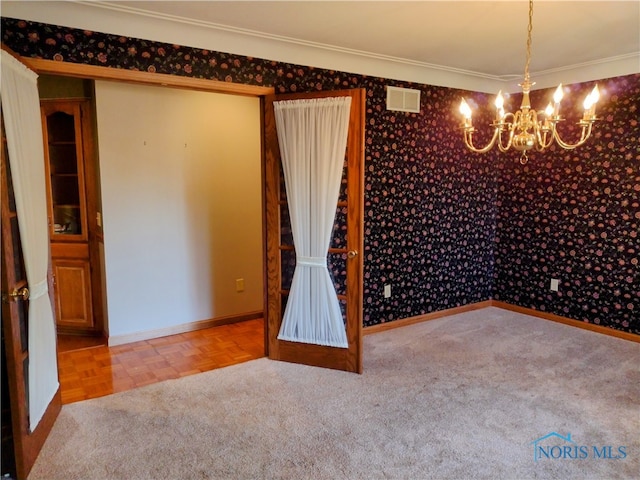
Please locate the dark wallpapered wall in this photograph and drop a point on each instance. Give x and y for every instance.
(444, 226)
(575, 216)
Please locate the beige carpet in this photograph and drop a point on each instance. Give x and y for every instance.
(460, 397)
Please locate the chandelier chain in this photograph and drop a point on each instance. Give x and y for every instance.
(529, 30)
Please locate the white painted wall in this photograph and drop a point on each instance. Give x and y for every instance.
(182, 214)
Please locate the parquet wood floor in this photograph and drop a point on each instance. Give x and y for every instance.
(98, 371)
(75, 342)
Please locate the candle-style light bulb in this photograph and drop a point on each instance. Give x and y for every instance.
(593, 97)
(465, 110)
(557, 96)
(499, 103)
(590, 103)
(549, 110)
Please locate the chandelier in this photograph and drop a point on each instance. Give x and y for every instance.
(527, 129)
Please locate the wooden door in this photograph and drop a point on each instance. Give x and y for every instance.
(26, 444)
(345, 254)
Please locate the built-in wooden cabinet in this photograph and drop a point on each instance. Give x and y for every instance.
(73, 229)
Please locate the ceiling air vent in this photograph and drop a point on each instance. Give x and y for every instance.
(403, 99)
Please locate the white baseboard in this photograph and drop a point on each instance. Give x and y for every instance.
(182, 328)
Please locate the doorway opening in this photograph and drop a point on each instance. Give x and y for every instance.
(73, 209)
(187, 244)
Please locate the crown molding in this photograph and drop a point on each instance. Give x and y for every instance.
(121, 20)
(587, 72)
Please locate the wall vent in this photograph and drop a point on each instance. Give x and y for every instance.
(403, 99)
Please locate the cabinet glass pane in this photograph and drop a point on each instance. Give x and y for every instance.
(61, 127)
(62, 159)
(63, 167)
(66, 220)
(65, 190)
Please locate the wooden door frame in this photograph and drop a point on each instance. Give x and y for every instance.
(348, 359)
(95, 72)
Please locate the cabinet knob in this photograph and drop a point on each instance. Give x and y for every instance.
(352, 254)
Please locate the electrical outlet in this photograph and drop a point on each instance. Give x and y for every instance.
(239, 284)
(555, 283)
(387, 291)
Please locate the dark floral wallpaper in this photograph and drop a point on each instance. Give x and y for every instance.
(575, 216)
(443, 226)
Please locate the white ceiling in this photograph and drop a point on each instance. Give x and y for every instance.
(467, 44)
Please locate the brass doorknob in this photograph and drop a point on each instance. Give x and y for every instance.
(20, 294)
(352, 253)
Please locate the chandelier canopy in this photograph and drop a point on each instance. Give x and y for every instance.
(528, 129)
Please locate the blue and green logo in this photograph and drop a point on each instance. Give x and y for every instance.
(554, 446)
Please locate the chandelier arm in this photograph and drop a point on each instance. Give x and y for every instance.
(542, 141)
(499, 142)
(510, 126)
(504, 125)
(586, 133)
(538, 145)
(504, 148)
(542, 138)
(546, 140)
(468, 141)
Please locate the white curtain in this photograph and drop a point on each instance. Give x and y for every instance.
(312, 135)
(21, 111)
